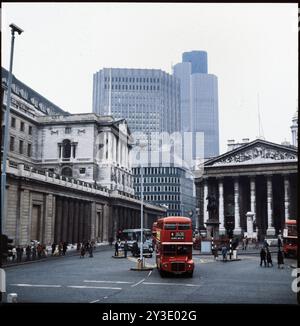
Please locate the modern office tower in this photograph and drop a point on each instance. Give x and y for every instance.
(199, 105)
(198, 60)
(148, 99)
(169, 186)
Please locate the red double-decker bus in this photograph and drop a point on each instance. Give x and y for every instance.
(174, 242)
(290, 238)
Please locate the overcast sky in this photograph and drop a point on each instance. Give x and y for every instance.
(252, 48)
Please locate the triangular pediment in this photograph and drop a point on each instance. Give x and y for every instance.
(256, 152)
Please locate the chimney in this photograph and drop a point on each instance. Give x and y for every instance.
(245, 140)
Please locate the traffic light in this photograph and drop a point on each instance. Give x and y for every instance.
(6, 246)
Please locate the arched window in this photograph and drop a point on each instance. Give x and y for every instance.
(67, 171)
(66, 148)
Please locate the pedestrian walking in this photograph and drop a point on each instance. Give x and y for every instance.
(64, 248)
(53, 248)
(224, 253)
(91, 248)
(263, 257)
(116, 249)
(269, 258)
(280, 259)
(28, 252)
(82, 251)
(14, 253)
(19, 254)
(125, 248)
(216, 253)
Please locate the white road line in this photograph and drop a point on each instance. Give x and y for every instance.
(93, 287)
(149, 273)
(153, 283)
(95, 301)
(138, 282)
(37, 285)
(117, 282)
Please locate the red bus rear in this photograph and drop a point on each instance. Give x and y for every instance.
(174, 242)
(290, 238)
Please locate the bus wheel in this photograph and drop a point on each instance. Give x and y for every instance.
(162, 273)
(190, 274)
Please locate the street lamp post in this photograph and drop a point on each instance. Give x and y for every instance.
(142, 215)
(14, 29)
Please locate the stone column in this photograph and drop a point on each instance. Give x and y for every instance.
(237, 227)
(221, 207)
(286, 197)
(64, 231)
(252, 196)
(270, 229)
(49, 220)
(70, 235)
(76, 223)
(205, 201)
(58, 218)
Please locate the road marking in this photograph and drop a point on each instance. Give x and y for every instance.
(93, 287)
(95, 301)
(159, 283)
(149, 274)
(38, 285)
(117, 282)
(138, 282)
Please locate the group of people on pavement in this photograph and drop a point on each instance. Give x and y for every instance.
(118, 247)
(266, 257)
(32, 251)
(86, 247)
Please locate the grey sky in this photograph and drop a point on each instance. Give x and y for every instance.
(252, 48)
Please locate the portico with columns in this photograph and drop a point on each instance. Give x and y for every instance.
(258, 177)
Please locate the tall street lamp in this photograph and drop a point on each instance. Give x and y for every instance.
(14, 29)
(142, 146)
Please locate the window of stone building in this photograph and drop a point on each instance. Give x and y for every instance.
(29, 130)
(66, 148)
(67, 171)
(68, 130)
(22, 126)
(13, 122)
(29, 150)
(21, 146)
(82, 170)
(12, 144)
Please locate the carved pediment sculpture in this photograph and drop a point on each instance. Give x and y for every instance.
(257, 153)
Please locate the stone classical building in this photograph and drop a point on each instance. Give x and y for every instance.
(68, 176)
(258, 177)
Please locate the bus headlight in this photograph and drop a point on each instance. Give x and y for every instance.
(165, 265)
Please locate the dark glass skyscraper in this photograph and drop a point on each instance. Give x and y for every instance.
(198, 60)
(199, 104)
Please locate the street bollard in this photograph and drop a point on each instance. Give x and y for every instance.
(12, 297)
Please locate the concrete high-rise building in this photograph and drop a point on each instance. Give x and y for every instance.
(199, 105)
(149, 99)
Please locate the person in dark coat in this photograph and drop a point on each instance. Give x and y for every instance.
(82, 251)
(116, 248)
(91, 249)
(269, 258)
(125, 248)
(263, 257)
(19, 254)
(280, 259)
(53, 247)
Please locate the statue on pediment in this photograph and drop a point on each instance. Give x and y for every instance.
(212, 207)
